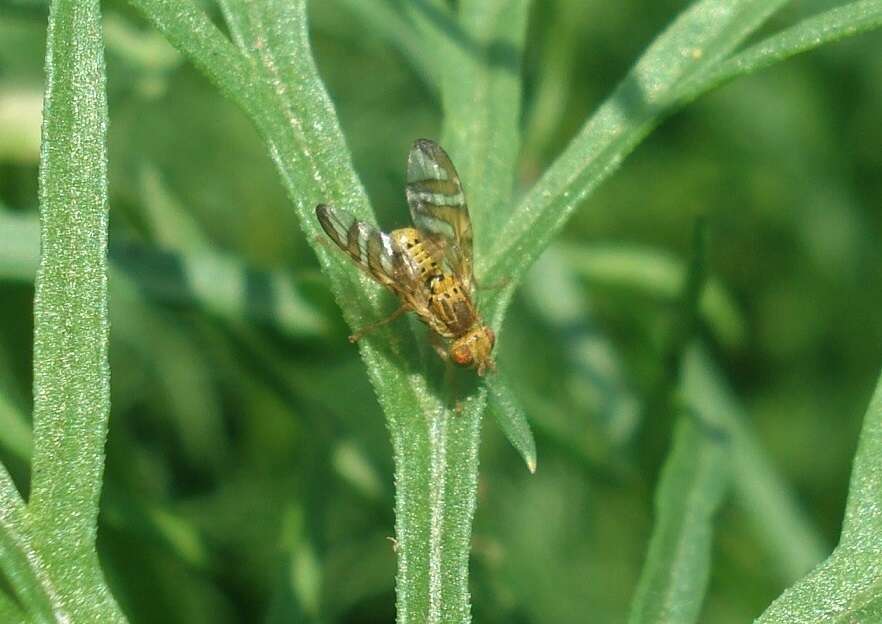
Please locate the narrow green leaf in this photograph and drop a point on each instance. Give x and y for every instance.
(386, 19)
(793, 544)
(770, 504)
(511, 419)
(553, 86)
(171, 225)
(283, 95)
(478, 57)
(592, 370)
(174, 361)
(435, 449)
(657, 273)
(223, 286)
(828, 27)
(71, 375)
(186, 26)
(481, 98)
(19, 564)
(147, 51)
(436, 467)
(675, 575)
(295, 117)
(214, 282)
(353, 467)
(479, 61)
(847, 587)
(701, 36)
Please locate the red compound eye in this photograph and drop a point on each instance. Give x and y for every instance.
(461, 355)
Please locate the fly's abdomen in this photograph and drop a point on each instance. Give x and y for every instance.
(422, 254)
(451, 304)
(450, 311)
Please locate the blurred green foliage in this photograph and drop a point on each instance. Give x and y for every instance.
(249, 472)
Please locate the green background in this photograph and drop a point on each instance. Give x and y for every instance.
(243, 453)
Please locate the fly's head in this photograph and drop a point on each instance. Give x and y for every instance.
(475, 348)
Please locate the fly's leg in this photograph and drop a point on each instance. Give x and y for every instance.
(394, 543)
(452, 387)
(372, 326)
(449, 372)
(438, 346)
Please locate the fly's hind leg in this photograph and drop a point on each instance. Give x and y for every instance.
(372, 326)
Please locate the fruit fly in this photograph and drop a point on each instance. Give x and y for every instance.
(428, 266)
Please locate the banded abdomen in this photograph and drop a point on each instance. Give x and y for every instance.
(451, 313)
(452, 306)
(423, 254)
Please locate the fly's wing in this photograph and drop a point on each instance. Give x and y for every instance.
(372, 250)
(438, 207)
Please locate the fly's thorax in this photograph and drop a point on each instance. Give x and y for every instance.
(475, 348)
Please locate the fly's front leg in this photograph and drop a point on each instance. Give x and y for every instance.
(439, 346)
(372, 326)
(449, 372)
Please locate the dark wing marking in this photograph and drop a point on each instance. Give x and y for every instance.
(377, 254)
(372, 250)
(438, 206)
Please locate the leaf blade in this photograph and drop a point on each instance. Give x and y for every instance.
(20, 565)
(481, 99)
(827, 27)
(396, 26)
(691, 487)
(71, 373)
(709, 29)
(208, 280)
(435, 450)
(656, 273)
(847, 587)
(788, 535)
(511, 419)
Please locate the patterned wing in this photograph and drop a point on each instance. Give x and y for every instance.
(372, 250)
(438, 206)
